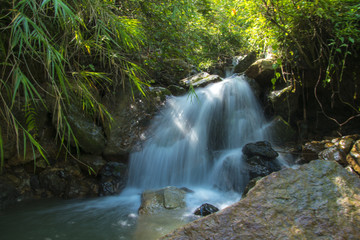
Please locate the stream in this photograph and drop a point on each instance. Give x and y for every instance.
(194, 142)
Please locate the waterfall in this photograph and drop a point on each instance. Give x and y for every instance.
(197, 140)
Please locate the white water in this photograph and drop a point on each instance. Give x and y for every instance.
(194, 142)
(198, 141)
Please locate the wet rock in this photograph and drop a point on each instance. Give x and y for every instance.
(319, 200)
(130, 119)
(90, 137)
(54, 180)
(259, 167)
(66, 182)
(353, 158)
(206, 209)
(153, 202)
(113, 178)
(243, 62)
(262, 149)
(281, 131)
(96, 163)
(200, 80)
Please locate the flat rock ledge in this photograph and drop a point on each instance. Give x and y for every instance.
(319, 200)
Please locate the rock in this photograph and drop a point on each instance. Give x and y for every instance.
(333, 154)
(66, 182)
(258, 166)
(262, 149)
(285, 101)
(159, 93)
(250, 185)
(176, 90)
(281, 132)
(353, 158)
(130, 119)
(153, 202)
(262, 71)
(319, 200)
(206, 209)
(200, 80)
(90, 137)
(254, 86)
(243, 62)
(311, 150)
(54, 180)
(95, 162)
(334, 149)
(113, 178)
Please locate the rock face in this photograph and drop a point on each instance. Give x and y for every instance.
(319, 200)
(200, 80)
(153, 202)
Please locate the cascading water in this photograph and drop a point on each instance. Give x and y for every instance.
(198, 140)
(194, 142)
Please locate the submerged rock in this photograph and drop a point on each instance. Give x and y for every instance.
(153, 202)
(206, 209)
(319, 200)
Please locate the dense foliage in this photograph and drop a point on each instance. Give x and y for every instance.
(58, 53)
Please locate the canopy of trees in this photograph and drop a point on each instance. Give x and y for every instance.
(54, 53)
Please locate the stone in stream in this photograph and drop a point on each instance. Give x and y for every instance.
(206, 209)
(319, 200)
(155, 201)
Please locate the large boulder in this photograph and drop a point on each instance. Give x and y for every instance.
(319, 200)
(262, 71)
(153, 202)
(130, 120)
(200, 80)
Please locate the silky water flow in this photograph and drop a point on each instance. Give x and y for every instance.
(194, 142)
